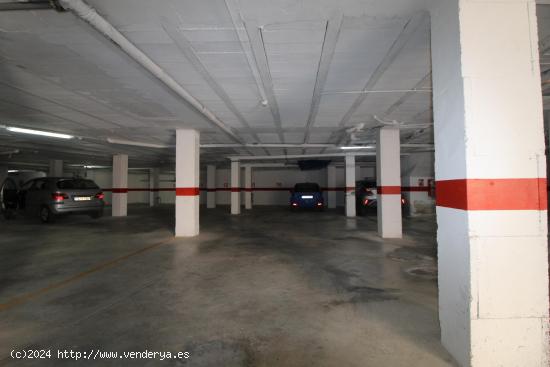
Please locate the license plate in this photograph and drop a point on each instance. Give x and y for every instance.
(82, 198)
(307, 196)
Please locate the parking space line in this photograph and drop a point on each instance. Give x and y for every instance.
(19, 300)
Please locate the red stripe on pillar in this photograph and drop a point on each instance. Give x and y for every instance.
(388, 190)
(492, 194)
(119, 191)
(350, 188)
(187, 191)
(210, 190)
(235, 189)
(247, 189)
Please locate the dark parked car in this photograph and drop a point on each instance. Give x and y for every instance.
(365, 196)
(8, 198)
(49, 197)
(307, 195)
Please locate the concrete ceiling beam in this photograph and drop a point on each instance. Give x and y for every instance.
(89, 15)
(395, 49)
(332, 33)
(425, 80)
(257, 44)
(185, 46)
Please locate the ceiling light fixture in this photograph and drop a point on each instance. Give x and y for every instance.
(137, 143)
(358, 147)
(38, 132)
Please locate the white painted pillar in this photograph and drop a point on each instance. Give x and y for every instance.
(187, 182)
(248, 187)
(388, 182)
(331, 183)
(350, 186)
(490, 183)
(210, 186)
(120, 185)
(56, 168)
(154, 183)
(235, 187)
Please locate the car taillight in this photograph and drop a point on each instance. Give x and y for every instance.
(402, 201)
(59, 196)
(100, 196)
(366, 201)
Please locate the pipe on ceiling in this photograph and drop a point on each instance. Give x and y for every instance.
(9, 152)
(90, 16)
(31, 5)
(298, 156)
(269, 145)
(208, 146)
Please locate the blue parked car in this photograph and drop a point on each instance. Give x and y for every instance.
(307, 195)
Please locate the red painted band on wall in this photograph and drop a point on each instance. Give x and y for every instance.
(158, 189)
(388, 190)
(272, 189)
(350, 188)
(235, 189)
(119, 191)
(187, 191)
(492, 194)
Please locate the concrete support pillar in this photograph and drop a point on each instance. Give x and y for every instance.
(154, 183)
(490, 183)
(388, 182)
(350, 186)
(56, 168)
(120, 185)
(331, 183)
(248, 187)
(210, 186)
(187, 182)
(235, 187)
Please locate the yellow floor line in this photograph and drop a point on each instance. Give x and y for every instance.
(18, 300)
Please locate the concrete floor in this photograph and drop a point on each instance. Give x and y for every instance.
(267, 288)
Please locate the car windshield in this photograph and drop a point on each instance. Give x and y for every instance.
(307, 187)
(76, 184)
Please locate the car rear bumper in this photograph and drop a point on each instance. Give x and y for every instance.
(84, 209)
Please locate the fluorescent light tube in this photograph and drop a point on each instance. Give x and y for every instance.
(137, 143)
(38, 132)
(358, 147)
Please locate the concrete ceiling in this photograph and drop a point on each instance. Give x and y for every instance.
(310, 60)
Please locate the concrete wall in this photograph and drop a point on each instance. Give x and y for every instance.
(267, 178)
(417, 172)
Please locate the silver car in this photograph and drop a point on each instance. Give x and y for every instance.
(49, 197)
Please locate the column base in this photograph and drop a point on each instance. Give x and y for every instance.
(389, 216)
(187, 216)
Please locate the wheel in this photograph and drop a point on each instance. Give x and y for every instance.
(46, 215)
(96, 215)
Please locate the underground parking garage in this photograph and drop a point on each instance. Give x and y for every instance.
(273, 183)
